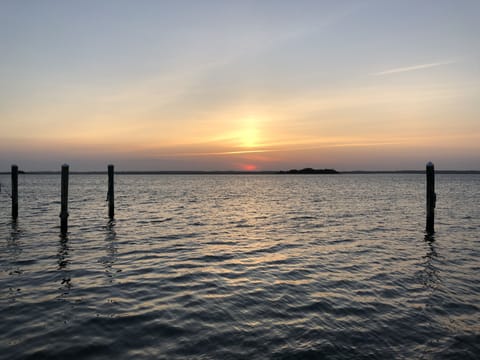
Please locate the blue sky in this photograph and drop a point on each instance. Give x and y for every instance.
(236, 84)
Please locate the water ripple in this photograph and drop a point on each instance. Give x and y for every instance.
(236, 267)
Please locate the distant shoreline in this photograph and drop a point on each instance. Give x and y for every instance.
(198, 172)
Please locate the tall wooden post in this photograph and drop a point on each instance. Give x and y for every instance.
(14, 192)
(431, 198)
(64, 200)
(110, 193)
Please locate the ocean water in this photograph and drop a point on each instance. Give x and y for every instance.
(241, 266)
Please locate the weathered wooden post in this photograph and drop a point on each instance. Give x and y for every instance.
(431, 198)
(14, 192)
(110, 193)
(64, 200)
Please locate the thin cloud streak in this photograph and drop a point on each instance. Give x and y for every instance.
(412, 68)
(220, 153)
(313, 146)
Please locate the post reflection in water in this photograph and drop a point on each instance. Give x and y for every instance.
(14, 270)
(431, 278)
(110, 250)
(63, 260)
(15, 233)
(12, 244)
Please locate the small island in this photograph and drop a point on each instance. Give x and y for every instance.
(310, 171)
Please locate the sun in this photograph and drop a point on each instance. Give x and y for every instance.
(249, 167)
(245, 134)
(248, 134)
(249, 137)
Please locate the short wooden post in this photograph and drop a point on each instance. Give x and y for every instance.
(431, 198)
(14, 192)
(110, 193)
(64, 200)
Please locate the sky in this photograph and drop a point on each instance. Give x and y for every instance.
(239, 85)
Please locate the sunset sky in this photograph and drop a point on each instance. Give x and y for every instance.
(239, 85)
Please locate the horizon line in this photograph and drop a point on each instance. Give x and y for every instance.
(233, 172)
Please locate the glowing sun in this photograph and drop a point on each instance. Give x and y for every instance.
(249, 167)
(249, 138)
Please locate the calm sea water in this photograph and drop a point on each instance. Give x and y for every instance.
(235, 267)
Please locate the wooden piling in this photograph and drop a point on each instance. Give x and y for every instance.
(14, 192)
(64, 200)
(431, 198)
(110, 193)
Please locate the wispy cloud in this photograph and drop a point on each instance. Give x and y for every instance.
(219, 153)
(413, 68)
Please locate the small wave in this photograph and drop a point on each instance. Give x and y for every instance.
(157, 221)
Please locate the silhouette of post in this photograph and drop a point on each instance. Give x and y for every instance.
(64, 200)
(14, 192)
(431, 198)
(110, 193)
